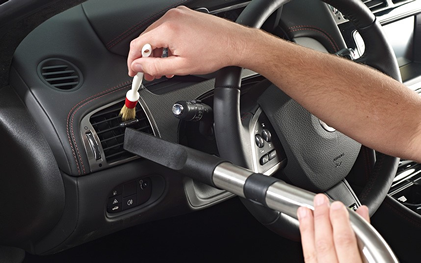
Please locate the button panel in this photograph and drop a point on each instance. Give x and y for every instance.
(268, 151)
(129, 195)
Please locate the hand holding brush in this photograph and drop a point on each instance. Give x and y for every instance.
(128, 112)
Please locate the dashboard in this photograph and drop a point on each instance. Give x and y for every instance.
(69, 76)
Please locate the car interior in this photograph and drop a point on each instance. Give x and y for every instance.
(80, 185)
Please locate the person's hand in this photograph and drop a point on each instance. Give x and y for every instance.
(326, 233)
(198, 43)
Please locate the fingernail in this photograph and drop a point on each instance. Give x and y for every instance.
(137, 68)
(320, 200)
(337, 206)
(302, 213)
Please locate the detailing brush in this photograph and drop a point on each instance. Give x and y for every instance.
(128, 112)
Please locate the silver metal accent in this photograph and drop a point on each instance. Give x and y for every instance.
(128, 123)
(231, 178)
(337, 15)
(203, 10)
(94, 145)
(177, 109)
(326, 127)
(359, 44)
(229, 8)
(272, 165)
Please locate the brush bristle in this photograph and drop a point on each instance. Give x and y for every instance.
(127, 113)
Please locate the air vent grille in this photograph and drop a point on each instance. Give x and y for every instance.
(111, 134)
(60, 74)
(375, 5)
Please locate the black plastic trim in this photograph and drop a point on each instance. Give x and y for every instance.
(256, 187)
(195, 164)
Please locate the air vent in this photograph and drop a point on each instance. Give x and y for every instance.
(60, 74)
(107, 124)
(400, 1)
(375, 5)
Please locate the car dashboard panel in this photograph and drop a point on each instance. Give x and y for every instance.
(71, 74)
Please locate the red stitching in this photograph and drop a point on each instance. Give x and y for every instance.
(323, 31)
(72, 113)
(312, 28)
(123, 35)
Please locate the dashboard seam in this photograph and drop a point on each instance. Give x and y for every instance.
(312, 28)
(125, 34)
(393, 207)
(45, 112)
(71, 115)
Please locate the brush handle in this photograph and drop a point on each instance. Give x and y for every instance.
(133, 95)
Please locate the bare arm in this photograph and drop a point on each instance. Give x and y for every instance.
(360, 102)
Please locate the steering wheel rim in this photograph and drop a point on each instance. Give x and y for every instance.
(228, 126)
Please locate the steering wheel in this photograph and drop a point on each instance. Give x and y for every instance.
(318, 157)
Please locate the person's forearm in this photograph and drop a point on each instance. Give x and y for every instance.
(379, 112)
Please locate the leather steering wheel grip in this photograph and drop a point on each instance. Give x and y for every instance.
(228, 127)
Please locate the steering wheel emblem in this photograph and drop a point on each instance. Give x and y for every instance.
(326, 127)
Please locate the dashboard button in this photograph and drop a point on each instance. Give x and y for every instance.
(272, 155)
(117, 191)
(114, 204)
(264, 159)
(114, 209)
(259, 141)
(267, 136)
(129, 202)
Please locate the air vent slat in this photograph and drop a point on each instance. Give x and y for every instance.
(107, 130)
(375, 5)
(111, 135)
(60, 74)
(65, 84)
(117, 155)
(113, 138)
(63, 79)
(113, 147)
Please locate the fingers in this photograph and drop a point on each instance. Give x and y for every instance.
(160, 66)
(363, 212)
(153, 36)
(136, 45)
(305, 216)
(343, 235)
(323, 230)
(326, 232)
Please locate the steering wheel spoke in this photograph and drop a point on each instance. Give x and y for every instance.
(267, 154)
